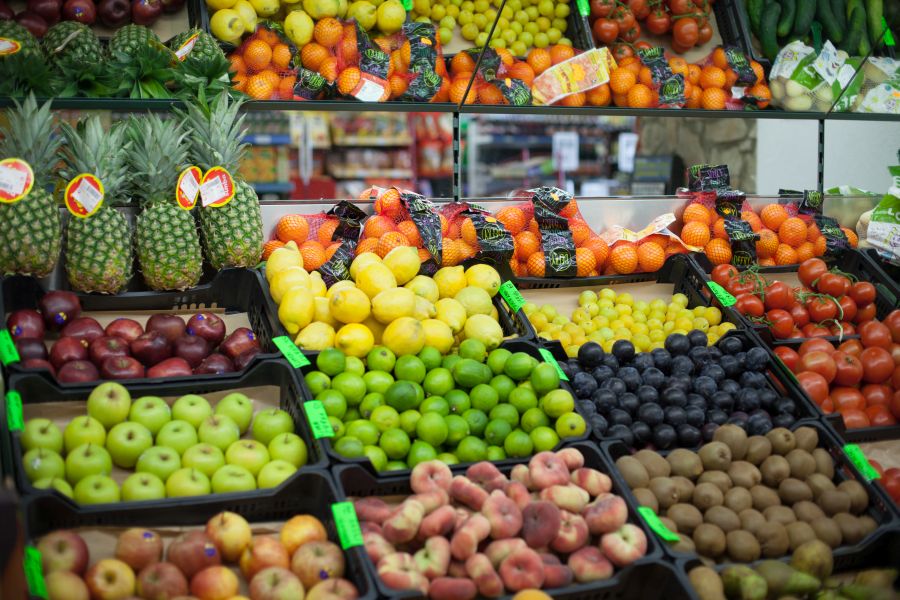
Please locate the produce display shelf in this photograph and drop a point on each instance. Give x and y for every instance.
(273, 188)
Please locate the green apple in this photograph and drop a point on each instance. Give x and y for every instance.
(191, 408)
(126, 442)
(41, 433)
(55, 483)
(206, 458)
(220, 431)
(143, 486)
(87, 459)
(177, 435)
(233, 478)
(150, 411)
(288, 447)
(109, 403)
(269, 423)
(41, 463)
(97, 489)
(187, 482)
(84, 430)
(237, 406)
(250, 454)
(274, 473)
(161, 461)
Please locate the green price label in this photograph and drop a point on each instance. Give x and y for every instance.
(583, 7)
(318, 419)
(512, 295)
(549, 358)
(888, 34)
(14, 411)
(290, 351)
(34, 572)
(859, 460)
(657, 526)
(8, 352)
(407, 4)
(347, 524)
(721, 294)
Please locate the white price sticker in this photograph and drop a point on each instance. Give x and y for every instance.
(189, 186)
(369, 91)
(87, 195)
(185, 49)
(212, 191)
(12, 181)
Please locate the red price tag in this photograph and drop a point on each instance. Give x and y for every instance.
(188, 187)
(186, 47)
(216, 188)
(84, 195)
(9, 46)
(16, 180)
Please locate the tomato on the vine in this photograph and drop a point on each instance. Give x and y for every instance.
(863, 293)
(893, 323)
(642, 45)
(748, 304)
(833, 284)
(821, 309)
(791, 359)
(680, 7)
(865, 313)
(842, 328)
(633, 33)
(658, 23)
(814, 385)
(740, 285)
(848, 308)
(895, 404)
(778, 295)
(851, 347)
(895, 352)
(799, 314)
(685, 31)
(880, 416)
(877, 334)
(704, 33)
(621, 51)
(780, 323)
(848, 369)
(605, 30)
(814, 345)
(602, 8)
(640, 8)
(811, 330)
(846, 398)
(623, 17)
(810, 270)
(721, 274)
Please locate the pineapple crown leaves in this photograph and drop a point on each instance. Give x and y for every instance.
(30, 136)
(217, 131)
(144, 74)
(158, 153)
(209, 76)
(93, 80)
(90, 149)
(22, 73)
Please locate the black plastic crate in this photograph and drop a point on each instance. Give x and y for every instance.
(34, 389)
(232, 290)
(648, 577)
(311, 493)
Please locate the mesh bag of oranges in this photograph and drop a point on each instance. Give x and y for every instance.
(744, 80)
(263, 64)
(402, 218)
(472, 230)
(500, 78)
(362, 66)
(417, 64)
(570, 77)
(643, 251)
(664, 87)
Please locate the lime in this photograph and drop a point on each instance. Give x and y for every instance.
(381, 359)
(496, 431)
(395, 443)
(402, 395)
(534, 417)
(507, 412)
(497, 359)
(495, 453)
(420, 452)
(355, 366)
(474, 349)
(331, 361)
(518, 444)
(396, 465)
(522, 398)
(317, 381)
(450, 360)
(432, 428)
(544, 378)
(430, 357)
(385, 417)
(504, 385)
(352, 414)
(570, 424)
(349, 447)
(457, 429)
(519, 365)
(337, 426)
(334, 402)
(468, 373)
(448, 458)
(351, 385)
(544, 438)
(438, 382)
(459, 401)
(557, 403)
(376, 456)
(476, 419)
(364, 431)
(410, 368)
(420, 393)
(370, 403)
(471, 449)
(408, 420)
(378, 381)
(484, 397)
(435, 404)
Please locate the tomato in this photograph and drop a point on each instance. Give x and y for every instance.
(827, 406)
(877, 394)
(848, 308)
(621, 51)
(814, 385)
(833, 284)
(633, 33)
(778, 295)
(846, 398)
(821, 309)
(878, 365)
(740, 285)
(721, 274)
(605, 30)
(642, 45)
(848, 369)
(681, 7)
(811, 330)
(799, 314)
(819, 362)
(659, 23)
(810, 270)
(855, 419)
(895, 352)
(705, 33)
(863, 293)
(791, 359)
(877, 334)
(895, 404)
(640, 8)
(843, 328)
(780, 323)
(895, 378)
(865, 313)
(685, 32)
(877, 466)
(624, 18)
(748, 304)
(814, 345)
(893, 323)
(892, 485)
(852, 347)
(880, 416)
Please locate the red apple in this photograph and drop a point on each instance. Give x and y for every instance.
(151, 348)
(208, 326)
(59, 307)
(245, 358)
(25, 323)
(315, 561)
(6, 13)
(122, 367)
(110, 579)
(161, 580)
(239, 341)
(138, 547)
(171, 6)
(127, 329)
(146, 12)
(33, 22)
(214, 364)
(63, 550)
(68, 349)
(108, 347)
(193, 552)
(262, 552)
(114, 13)
(31, 348)
(215, 583)
(78, 371)
(171, 326)
(82, 11)
(39, 363)
(49, 9)
(64, 585)
(275, 583)
(171, 367)
(192, 348)
(85, 328)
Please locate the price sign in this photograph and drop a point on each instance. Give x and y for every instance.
(657, 526)
(565, 150)
(9, 46)
(318, 419)
(14, 419)
(8, 352)
(290, 351)
(512, 295)
(216, 188)
(549, 358)
(16, 180)
(188, 187)
(347, 524)
(84, 195)
(34, 572)
(859, 460)
(721, 294)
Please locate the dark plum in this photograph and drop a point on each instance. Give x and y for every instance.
(653, 377)
(757, 359)
(730, 345)
(747, 400)
(630, 376)
(629, 403)
(615, 384)
(604, 400)
(717, 416)
(623, 350)
(681, 382)
(642, 432)
(599, 425)
(617, 416)
(621, 433)
(714, 372)
(642, 362)
(699, 354)
(738, 418)
(567, 369)
(768, 397)
(697, 338)
(783, 420)
(601, 374)
(753, 379)
(673, 396)
(730, 365)
(611, 361)
(586, 408)
(785, 405)
(705, 386)
(722, 401)
(731, 386)
(646, 394)
(759, 423)
(675, 416)
(695, 416)
(677, 344)
(590, 355)
(695, 399)
(664, 436)
(688, 435)
(715, 353)
(584, 385)
(651, 414)
(708, 431)
(661, 358)
(682, 365)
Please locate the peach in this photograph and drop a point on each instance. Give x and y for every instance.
(498, 550)
(567, 497)
(432, 500)
(606, 513)
(463, 490)
(457, 569)
(573, 458)
(522, 569)
(404, 523)
(370, 527)
(462, 515)
(429, 476)
(377, 547)
(556, 574)
(398, 571)
(518, 493)
(498, 483)
(483, 472)
(540, 524)
(589, 564)
(440, 522)
(592, 481)
(372, 509)
(625, 545)
(573, 533)
(433, 560)
(520, 473)
(480, 570)
(504, 515)
(465, 541)
(548, 469)
(452, 588)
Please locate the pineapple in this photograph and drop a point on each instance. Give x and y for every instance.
(206, 50)
(30, 228)
(72, 45)
(99, 252)
(166, 239)
(232, 234)
(130, 39)
(13, 31)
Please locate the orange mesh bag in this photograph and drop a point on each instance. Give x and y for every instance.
(362, 66)
(265, 64)
(403, 218)
(642, 251)
(415, 76)
(473, 231)
(731, 80)
(660, 87)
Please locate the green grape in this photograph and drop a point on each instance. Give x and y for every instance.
(453, 11)
(531, 28)
(514, 5)
(507, 13)
(445, 35)
(517, 27)
(414, 15)
(448, 22)
(501, 23)
(469, 31)
(521, 17)
(543, 23)
(553, 35)
(498, 42)
(527, 38)
(541, 40)
(565, 42)
(491, 15)
(545, 7)
(465, 17)
(518, 48)
(423, 7)
(481, 39)
(532, 13)
(480, 21)
(468, 5)
(481, 6)
(438, 12)
(560, 24)
(423, 20)
(456, 3)
(509, 35)
(561, 10)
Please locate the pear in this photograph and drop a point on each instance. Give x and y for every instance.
(783, 579)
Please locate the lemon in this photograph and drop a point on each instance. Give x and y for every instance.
(485, 277)
(424, 309)
(287, 255)
(364, 13)
(349, 305)
(226, 24)
(319, 9)
(362, 261)
(323, 312)
(450, 280)
(374, 279)
(452, 313)
(315, 336)
(390, 305)
(354, 339)
(403, 261)
(475, 300)
(317, 284)
(425, 287)
(248, 16)
(220, 4)
(438, 335)
(340, 285)
(265, 8)
(287, 279)
(375, 327)
(485, 329)
(391, 16)
(404, 336)
(297, 309)
(299, 27)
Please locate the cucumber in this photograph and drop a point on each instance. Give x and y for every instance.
(768, 30)
(839, 13)
(856, 28)
(786, 20)
(754, 13)
(829, 23)
(806, 11)
(874, 13)
(850, 5)
(865, 47)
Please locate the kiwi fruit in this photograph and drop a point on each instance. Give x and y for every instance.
(833, 502)
(773, 539)
(706, 495)
(867, 524)
(744, 474)
(738, 499)
(807, 438)
(824, 462)
(759, 448)
(851, 529)
(646, 498)
(751, 519)
(859, 498)
(802, 463)
(818, 483)
(735, 438)
(742, 546)
(656, 465)
(799, 533)
(764, 497)
(686, 517)
(684, 544)
(774, 470)
(670, 524)
(807, 511)
(780, 514)
(783, 441)
(706, 583)
(716, 456)
(709, 540)
(718, 478)
(685, 488)
(685, 463)
(725, 518)
(633, 472)
(793, 490)
(665, 491)
(827, 531)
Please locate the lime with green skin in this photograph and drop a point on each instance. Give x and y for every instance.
(571, 424)
(504, 386)
(355, 366)
(457, 429)
(496, 431)
(337, 426)
(351, 385)
(496, 360)
(352, 414)
(471, 449)
(377, 457)
(363, 430)
(396, 465)
(484, 397)
(410, 368)
(505, 412)
(402, 395)
(420, 451)
(438, 382)
(408, 421)
(450, 360)
(378, 381)
(317, 381)
(477, 421)
(331, 361)
(459, 401)
(334, 402)
(533, 418)
(495, 453)
(370, 403)
(448, 458)
(557, 403)
(381, 358)
(473, 349)
(544, 438)
(435, 404)
(519, 366)
(430, 357)
(432, 428)
(523, 398)
(385, 418)
(395, 443)
(518, 444)
(544, 378)
(349, 447)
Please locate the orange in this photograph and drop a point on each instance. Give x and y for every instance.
(539, 59)
(713, 99)
(465, 250)
(267, 35)
(631, 63)
(506, 56)
(239, 81)
(384, 44)
(656, 238)
(450, 253)
(750, 217)
(758, 70)
(651, 257)
(286, 87)
(424, 255)
(599, 96)
(584, 261)
(731, 77)
(348, 48)
(719, 58)
(326, 230)
(281, 56)
(389, 204)
(523, 72)
(773, 215)
(468, 233)
(443, 94)
(640, 96)
(696, 97)
(462, 62)
(409, 229)
(370, 193)
(313, 55)
(696, 212)
(366, 245)
(766, 262)
(453, 230)
(270, 247)
(695, 233)
(313, 255)
(600, 249)
(536, 265)
(792, 231)
(621, 80)
(516, 267)
(262, 85)
(718, 251)
(490, 94)
(580, 231)
(445, 225)
(805, 251)
(623, 258)
(348, 80)
(397, 64)
(620, 100)
(569, 210)
(712, 77)
(458, 89)
(675, 248)
(328, 32)
(767, 244)
(237, 64)
(820, 245)
(576, 99)
(645, 77)
(331, 249)
(328, 69)
(761, 93)
(378, 225)
(693, 74)
(785, 255)
(851, 236)
(405, 52)
(527, 244)
(678, 65)
(812, 232)
(559, 53)
(719, 229)
(512, 218)
(534, 228)
(257, 55)
(389, 241)
(398, 85)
